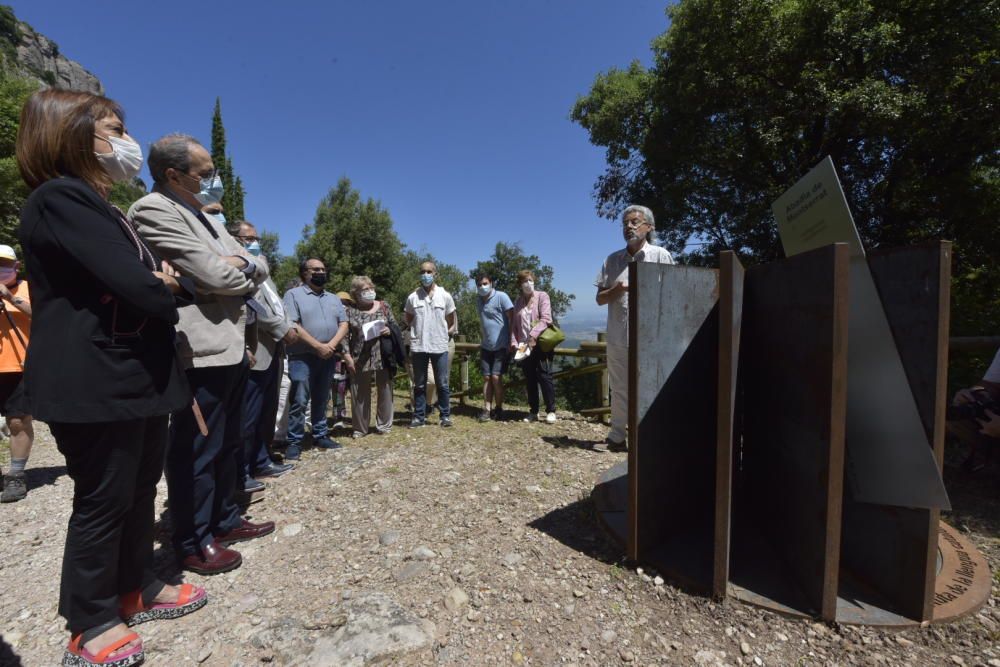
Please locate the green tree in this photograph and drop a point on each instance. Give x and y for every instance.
(125, 193)
(353, 236)
(14, 92)
(239, 195)
(509, 258)
(745, 96)
(232, 197)
(269, 246)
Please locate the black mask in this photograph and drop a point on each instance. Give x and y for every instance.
(318, 279)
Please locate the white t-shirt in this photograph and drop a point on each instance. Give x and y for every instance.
(993, 374)
(614, 269)
(429, 329)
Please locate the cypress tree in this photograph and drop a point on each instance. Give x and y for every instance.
(232, 197)
(238, 194)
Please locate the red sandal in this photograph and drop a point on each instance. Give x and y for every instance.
(134, 611)
(77, 656)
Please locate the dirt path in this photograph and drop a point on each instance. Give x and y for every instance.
(499, 514)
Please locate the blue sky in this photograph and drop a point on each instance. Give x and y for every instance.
(455, 115)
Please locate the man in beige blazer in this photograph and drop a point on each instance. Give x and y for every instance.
(204, 443)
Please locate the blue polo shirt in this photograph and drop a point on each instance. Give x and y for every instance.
(493, 319)
(319, 313)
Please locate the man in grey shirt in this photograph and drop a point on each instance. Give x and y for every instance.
(322, 324)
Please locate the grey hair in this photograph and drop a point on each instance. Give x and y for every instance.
(170, 152)
(358, 283)
(646, 214)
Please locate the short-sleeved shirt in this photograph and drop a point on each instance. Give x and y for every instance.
(429, 329)
(615, 269)
(11, 349)
(993, 373)
(493, 319)
(319, 313)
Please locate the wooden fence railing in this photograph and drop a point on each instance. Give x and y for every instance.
(597, 349)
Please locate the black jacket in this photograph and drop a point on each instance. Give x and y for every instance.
(392, 349)
(102, 335)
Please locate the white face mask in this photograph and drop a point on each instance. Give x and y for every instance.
(528, 286)
(125, 159)
(368, 295)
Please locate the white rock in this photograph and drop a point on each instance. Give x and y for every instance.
(422, 553)
(292, 529)
(512, 559)
(706, 658)
(455, 599)
(378, 631)
(206, 653)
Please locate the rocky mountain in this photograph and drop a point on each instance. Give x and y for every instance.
(35, 56)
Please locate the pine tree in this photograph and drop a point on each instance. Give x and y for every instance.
(232, 197)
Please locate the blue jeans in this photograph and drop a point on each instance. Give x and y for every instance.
(311, 378)
(440, 362)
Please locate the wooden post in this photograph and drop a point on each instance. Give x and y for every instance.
(605, 385)
(463, 370)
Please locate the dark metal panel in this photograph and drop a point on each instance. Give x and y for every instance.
(889, 461)
(794, 384)
(674, 339)
(893, 550)
(730, 318)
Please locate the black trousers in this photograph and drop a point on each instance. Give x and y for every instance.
(260, 412)
(538, 371)
(109, 544)
(202, 470)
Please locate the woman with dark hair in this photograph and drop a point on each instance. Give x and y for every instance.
(101, 367)
(532, 315)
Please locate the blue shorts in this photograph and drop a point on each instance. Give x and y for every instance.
(493, 362)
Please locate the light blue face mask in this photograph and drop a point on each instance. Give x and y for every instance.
(426, 279)
(484, 290)
(254, 248)
(217, 216)
(211, 191)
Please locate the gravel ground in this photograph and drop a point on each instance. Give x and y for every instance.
(483, 540)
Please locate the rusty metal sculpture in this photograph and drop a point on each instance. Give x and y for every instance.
(737, 481)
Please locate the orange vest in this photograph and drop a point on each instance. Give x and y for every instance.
(11, 350)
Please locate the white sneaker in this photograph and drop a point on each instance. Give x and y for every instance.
(551, 418)
(531, 418)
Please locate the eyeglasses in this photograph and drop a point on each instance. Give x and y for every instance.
(211, 177)
(634, 222)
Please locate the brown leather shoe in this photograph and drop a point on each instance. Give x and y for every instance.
(246, 531)
(214, 559)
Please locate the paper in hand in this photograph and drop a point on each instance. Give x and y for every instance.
(372, 330)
